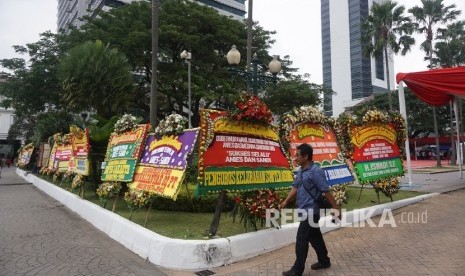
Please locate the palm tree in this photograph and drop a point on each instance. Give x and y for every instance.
(431, 13)
(95, 76)
(386, 30)
(450, 50)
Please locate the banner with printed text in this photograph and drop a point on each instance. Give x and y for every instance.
(79, 162)
(25, 155)
(240, 155)
(376, 153)
(163, 163)
(63, 156)
(326, 151)
(123, 153)
(52, 163)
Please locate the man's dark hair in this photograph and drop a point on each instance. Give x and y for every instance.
(306, 149)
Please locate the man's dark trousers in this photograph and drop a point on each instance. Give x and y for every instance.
(305, 234)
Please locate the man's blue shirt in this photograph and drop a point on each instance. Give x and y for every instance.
(314, 180)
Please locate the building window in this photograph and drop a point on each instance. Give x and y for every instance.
(379, 62)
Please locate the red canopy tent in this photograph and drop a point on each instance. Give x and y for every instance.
(435, 87)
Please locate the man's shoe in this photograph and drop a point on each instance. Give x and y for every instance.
(318, 266)
(291, 273)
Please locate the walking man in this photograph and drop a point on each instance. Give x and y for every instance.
(309, 183)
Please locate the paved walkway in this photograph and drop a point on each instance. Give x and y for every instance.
(436, 247)
(38, 236)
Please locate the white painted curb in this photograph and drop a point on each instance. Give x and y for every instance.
(193, 254)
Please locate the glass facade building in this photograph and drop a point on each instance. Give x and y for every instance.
(350, 74)
(69, 11)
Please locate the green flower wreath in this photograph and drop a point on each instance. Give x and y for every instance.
(388, 186)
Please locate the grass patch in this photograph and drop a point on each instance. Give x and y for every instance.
(194, 225)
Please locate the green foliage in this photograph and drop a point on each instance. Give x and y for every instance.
(386, 27)
(294, 92)
(427, 16)
(94, 76)
(187, 203)
(384, 30)
(450, 50)
(183, 25)
(32, 86)
(50, 123)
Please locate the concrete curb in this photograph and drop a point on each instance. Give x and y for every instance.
(195, 254)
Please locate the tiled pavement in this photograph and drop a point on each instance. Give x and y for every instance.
(38, 236)
(436, 247)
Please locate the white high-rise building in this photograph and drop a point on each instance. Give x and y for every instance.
(69, 11)
(345, 69)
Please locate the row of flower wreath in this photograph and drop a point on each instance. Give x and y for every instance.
(77, 180)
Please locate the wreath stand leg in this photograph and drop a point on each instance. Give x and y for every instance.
(114, 203)
(360, 194)
(82, 191)
(148, 212)
(216, 217)
(189, 196)
(377, 194)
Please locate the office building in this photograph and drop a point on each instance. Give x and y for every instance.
(69, 11)
(345, 69)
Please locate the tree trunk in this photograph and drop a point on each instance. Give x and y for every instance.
(435, 120)
(153, 86)
(388, 78)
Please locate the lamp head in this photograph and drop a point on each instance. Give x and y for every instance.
(233, 56)
(185, 55)
(274, 66)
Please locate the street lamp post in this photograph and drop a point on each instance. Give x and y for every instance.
(254, 79)
(187, 56)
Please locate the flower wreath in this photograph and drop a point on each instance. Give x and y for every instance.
(137, 199)
(126, 123)
(389, 185)
(173, 124)
(303, 114)
(58, 139)
(345, 122)
(76, 131)
(67, 139)
(28, 146)
(251, 108)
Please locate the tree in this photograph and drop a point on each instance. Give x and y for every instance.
(95, 76)
(450, 50)
(183, 25)
(431, 13)
(385, 30)
(294, 92)
(32, 86)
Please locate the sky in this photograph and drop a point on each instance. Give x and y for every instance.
(297, 23)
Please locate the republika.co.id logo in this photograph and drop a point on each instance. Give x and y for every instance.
(357, 218)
